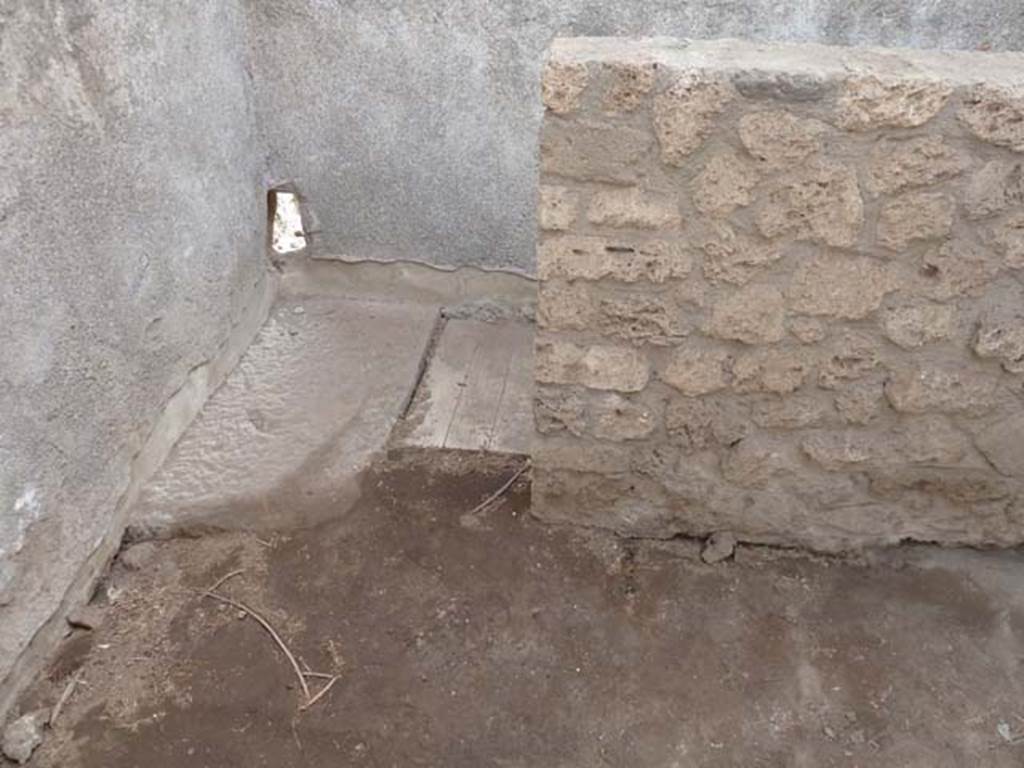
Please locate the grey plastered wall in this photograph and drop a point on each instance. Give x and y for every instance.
(131, 239)
(411, 126)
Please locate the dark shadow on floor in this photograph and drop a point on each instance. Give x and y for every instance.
(492, 640)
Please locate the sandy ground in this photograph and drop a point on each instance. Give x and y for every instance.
(489, 639)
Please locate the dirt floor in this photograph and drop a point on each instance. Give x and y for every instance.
(489, 639)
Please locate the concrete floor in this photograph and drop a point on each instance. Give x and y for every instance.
(488, 639)
(466, 637)
(315, 396)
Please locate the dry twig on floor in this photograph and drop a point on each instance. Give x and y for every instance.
(310, 698)
(319, 694)
(508, 484)
(65, 695)
(270, 630)
(222, 579)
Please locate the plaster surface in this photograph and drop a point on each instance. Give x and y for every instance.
(314, 397)
(131, 240)
(410, 128)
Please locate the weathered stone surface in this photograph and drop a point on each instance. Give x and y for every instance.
(654, 461)
(997, 186)
(944, 389)
(633, 208)
(929, 439)
(696, 370)
(565, 306)
(824, 500)
(848, 287)
(849, 352)
(640, 317)
(792, 411)
(995, 115)
(735, 258)
(753, 315)
(770, 370)
(631, 505)
(1000, 334)
(957, 268)
(898, 165)
(22, 736)
(914, 326)
(963, 485)
(593, 151)
(779, 139)
(788, 88)
(618, 418)
(562, 85)
(757, 459)
(724, 185)
(821, 203)
(1008, 239)
(860, 402)
(697, 423)
(617, 368)
(629, 83)
(1001, 442)
(623, 369)
(852, 355)
(595, 258)
(692, 484)
(915, 216)
(630, 315)
(685, 114)
(572, 453)
(559, 410)
(843, 449)
(558, 208)
(807, 330)
(868, 102)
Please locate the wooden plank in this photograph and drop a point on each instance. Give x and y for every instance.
(441, 389)
(476, 394)
(513, 423)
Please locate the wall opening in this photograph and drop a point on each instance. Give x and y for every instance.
(287, 234)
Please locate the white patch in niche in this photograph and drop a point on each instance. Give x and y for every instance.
(287, 233)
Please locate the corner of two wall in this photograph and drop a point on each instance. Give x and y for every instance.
(135, 222)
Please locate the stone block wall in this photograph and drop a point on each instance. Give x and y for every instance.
(781, 293)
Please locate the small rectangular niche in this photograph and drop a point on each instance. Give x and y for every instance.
(287, 234)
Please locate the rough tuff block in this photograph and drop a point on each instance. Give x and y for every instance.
(781, 293)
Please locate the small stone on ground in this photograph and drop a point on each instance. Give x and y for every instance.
(23, 735)
(86, 617)
(138, 556)
(719, 546)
